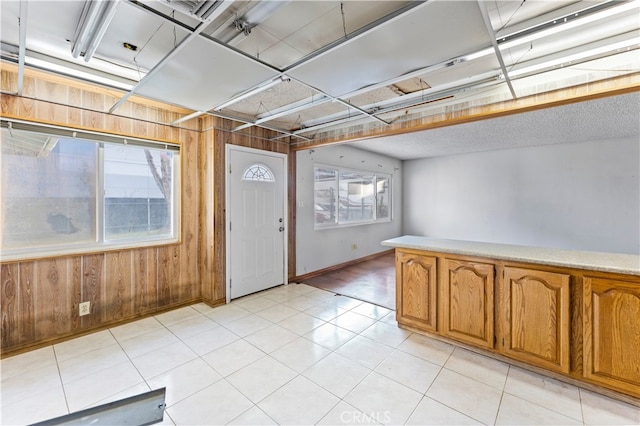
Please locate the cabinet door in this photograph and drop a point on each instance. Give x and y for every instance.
(536, 317)
(611, 315)
(467, 301)
(416, 290)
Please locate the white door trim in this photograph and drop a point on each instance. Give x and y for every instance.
(284, 157)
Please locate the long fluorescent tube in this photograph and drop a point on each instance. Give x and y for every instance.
(566, 60)
(614, 10)
(107, 16)
(96, 17)
(72, 72)
(187, 117)
(250, 93)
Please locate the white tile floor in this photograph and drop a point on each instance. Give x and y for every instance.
(291, 355)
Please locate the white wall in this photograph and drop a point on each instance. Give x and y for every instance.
(320, 249)
(583, 196)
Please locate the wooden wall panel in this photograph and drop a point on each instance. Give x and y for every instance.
(219, 216)
(27, 324)
(216, 134)
(39, 298)
(118, 288)
(144, 272)
(52, 298)
(189, 219)
(9, 305)
(93, 283)
(205, 206)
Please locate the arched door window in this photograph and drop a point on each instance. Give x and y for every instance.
(258, 172)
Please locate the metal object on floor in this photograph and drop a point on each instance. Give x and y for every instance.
(143, 409)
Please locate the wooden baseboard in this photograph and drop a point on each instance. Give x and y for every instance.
(313, 274)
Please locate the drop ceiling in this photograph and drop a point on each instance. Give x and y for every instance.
(306, 68)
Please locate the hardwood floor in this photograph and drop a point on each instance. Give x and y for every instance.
(372, 281)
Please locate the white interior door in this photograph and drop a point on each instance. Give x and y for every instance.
(256, 214)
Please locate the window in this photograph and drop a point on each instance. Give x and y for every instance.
(258, 173)
(64, 194)
(348, 197)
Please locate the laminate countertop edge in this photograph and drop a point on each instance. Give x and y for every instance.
(578, 259)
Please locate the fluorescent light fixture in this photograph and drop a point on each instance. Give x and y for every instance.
(96, 17)
(555, 29)
(72, 72)
(250, 93)
(573, 23)
(478, 54)
(568, 59)
(187, 117)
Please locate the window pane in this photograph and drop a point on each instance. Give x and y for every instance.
(383, 209)
(48, 190)
(356, 197)
(326, 196)
(138, 192)
(258, 173)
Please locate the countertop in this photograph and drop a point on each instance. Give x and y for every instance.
(590, 260)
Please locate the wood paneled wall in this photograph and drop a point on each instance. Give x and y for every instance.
(216, 134)
(39, 298)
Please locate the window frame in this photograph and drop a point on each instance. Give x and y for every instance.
(99, 242)
(364, 174)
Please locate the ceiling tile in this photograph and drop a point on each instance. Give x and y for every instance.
(380, 54)
(192, 77)
(153, 36)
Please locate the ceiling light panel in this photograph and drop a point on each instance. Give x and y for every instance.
(578, 36)
(182, 80)
(460, 23)
(598, 69)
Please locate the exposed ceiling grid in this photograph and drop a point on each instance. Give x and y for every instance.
(391, 60)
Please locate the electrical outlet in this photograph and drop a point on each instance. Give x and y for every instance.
(85, 308)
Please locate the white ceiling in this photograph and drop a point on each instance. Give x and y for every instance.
(323, 66)
(613, 117)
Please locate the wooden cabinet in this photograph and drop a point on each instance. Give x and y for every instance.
(536, 317)
(416, 296)
(467, 301)
(577, 323)
(611, 333)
